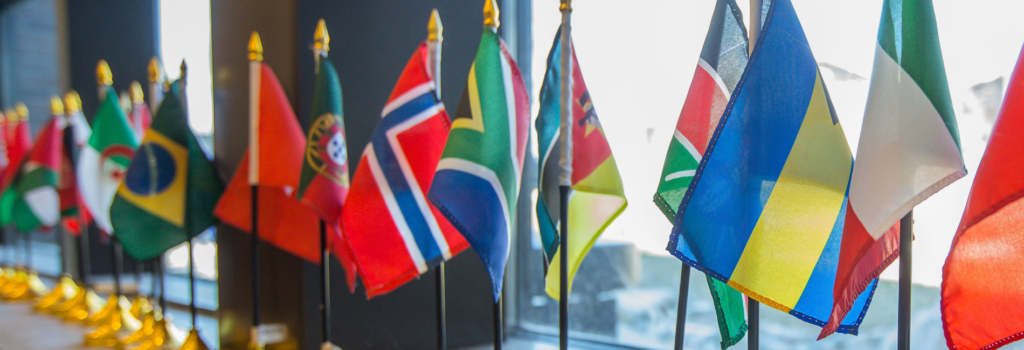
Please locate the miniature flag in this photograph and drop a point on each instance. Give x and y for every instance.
(909, 147)
(477, 181)
(719, 68)
(170, 188)
(596, 196)
(33, 194)
(765, 210)
(76, 135)
(104, 159)
(981, 283)
(283, 221)
(324, 181)
(394, 233)
(140, 118)
(19, 143)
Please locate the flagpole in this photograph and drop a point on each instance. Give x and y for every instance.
(322, 40)
(491, 23)
(906, 280)
(565, 177)
(434, 38)
(753, 313)
(255, 65)
(684, 295)
(156, 88)
(73, 105)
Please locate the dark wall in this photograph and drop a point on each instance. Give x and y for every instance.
(29, 57)
(371, 41)
(123, 32)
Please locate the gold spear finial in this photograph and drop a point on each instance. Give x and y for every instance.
(566, 6)
(321, 39)
(135, 92)
(155, 71)
(10, 116)
(103, 75)
(56, 106)
(72, 102)
(435, 30)
(184, 70)
(491, 13)
(22, 110)
(255, 47)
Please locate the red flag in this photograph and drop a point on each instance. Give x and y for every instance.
(395, 233)
(283, 220)
(982, 288)
(140, 118)
(19, 142)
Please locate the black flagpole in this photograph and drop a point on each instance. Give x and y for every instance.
(498, 336)
(563, 261)
(442, 342)
(325, 283)
(255, 257)
(115, 255)
(159, 267)
(753, 321)
(191, 283)
(28, 251)
(906, 253)
(83, 250)
(684, 295)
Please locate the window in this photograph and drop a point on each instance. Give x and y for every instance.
(638, 60)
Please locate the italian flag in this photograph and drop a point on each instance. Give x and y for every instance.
(37, 203)
(104, 159)
(909, 147)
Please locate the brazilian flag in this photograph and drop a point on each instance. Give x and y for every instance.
(170, 189)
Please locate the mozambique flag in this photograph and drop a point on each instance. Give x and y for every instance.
(721, 63)
(476, 185)
(394, 232)
(36, 203)
(909, 146)
(981, 281)
(765, 210)
(170, 188)
(104, 159)
(597, 197)
(324, 180)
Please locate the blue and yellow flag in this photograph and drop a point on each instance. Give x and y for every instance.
(170, 189)
(765, 210)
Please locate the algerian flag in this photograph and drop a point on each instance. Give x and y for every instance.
(104, 159)
(909, 146)
(37, 204)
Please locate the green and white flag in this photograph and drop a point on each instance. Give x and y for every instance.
(909, 147)
(104, 159)
(33, 194)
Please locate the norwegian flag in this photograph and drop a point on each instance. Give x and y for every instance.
(395, 233)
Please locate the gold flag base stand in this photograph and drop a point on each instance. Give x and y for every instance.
(107, 333)
(30, 289)
(15, 281)
(164, 336)
(194, 342)
(329, 346)
(148, 327)
(78, 308)
(64, 290)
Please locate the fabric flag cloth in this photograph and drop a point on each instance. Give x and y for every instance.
(765, 210)
(283, 221)
(170, 188)
(19, 146)
(394, 232)
(596, 196)
(909, 147)
(104, 159)
(478, 178)
(324, 180)
(76, 135)
(34, 202)
(981, 285)
(721, 63)
(140, 118)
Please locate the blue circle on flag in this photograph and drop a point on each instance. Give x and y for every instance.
(152, 171)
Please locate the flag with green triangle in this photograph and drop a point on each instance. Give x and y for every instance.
(169, 190)
(104, 159)
(36, 203)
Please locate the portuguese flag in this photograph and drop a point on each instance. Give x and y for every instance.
(909, 147)
(37, 203)
(169, 190)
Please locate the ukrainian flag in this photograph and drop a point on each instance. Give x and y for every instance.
(169, 191)
(765, 210)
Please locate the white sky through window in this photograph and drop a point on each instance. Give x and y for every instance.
(638, 59)
(185, 34)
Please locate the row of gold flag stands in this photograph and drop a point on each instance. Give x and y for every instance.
(139, 323)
